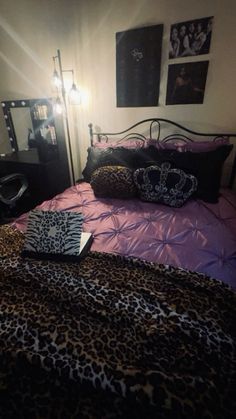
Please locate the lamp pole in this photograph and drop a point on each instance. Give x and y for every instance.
(63, 92)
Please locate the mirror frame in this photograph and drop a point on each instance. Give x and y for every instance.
(7, 105)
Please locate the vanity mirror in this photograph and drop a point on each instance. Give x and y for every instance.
(39, 150)
(30, 124)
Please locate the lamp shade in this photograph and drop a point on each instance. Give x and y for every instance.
(58, 107)
(74, 95)
(56, 79)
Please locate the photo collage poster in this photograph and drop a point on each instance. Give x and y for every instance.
(187, 80)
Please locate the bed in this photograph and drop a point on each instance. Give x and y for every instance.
(199, 236)
(144, 326)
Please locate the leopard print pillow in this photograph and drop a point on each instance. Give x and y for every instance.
(113, 182)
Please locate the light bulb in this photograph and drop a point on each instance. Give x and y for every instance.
(58, 108)
(74, 95)
(56, 79)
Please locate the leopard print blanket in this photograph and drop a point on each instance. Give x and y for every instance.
(112, 337)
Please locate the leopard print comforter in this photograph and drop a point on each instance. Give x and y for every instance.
(113, 337)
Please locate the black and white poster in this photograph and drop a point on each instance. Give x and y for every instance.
(190, 38)
(186, 83)
(138, 64)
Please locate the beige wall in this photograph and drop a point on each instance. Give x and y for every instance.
(31, 31)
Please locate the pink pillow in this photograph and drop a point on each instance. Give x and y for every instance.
(130, 144)
(171, 145)
(178, 145)
(194, 146)
(203, 146)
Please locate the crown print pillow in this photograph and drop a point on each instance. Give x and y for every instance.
(165, 185)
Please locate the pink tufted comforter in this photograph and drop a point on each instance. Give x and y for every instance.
(199, 236)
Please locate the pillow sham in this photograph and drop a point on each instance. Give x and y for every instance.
(53, 235)
(130, 144)
(113, 182)
(201, 146)
(165, 184)
(194, 146)
(97, 158)
(205, 166)
(120, 156)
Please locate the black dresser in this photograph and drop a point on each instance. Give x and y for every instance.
(46, 179)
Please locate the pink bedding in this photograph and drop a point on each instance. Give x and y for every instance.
(200, 237)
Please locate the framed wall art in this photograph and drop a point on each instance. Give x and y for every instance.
(186, 83)
(190, 38)
(138, 64)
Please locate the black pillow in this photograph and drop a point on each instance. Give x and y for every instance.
(205, 166)
(120, 156)
(97, 158)
(164, 184)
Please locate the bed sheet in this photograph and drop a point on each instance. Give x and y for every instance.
(198, 236)
(113, 338)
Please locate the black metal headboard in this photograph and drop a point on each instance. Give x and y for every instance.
(156, 127)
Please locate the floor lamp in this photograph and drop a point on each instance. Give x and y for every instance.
(74, 98)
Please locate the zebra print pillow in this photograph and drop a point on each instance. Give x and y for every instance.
(53, 233)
